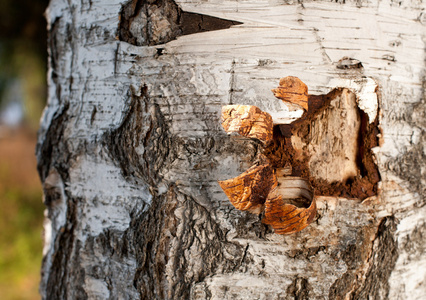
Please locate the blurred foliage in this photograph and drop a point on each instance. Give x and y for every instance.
(23, 57)
(23, 19)
(21, 217)
(29, 68)
(23, 53)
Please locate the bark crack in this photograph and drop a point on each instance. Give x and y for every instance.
(325, 56)
(370, 263)
(232, 83)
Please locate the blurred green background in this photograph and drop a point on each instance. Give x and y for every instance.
(23, 60)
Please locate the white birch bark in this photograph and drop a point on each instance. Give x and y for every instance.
(131, 147)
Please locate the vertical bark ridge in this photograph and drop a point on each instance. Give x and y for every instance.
(369, 265)
(177, 241)
(178, 244)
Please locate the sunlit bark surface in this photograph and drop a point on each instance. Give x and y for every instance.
(131, 149)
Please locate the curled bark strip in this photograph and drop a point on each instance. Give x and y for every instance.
(288, 201)
(248, 121)
(292, 89)
(248, 191)
(281, 207)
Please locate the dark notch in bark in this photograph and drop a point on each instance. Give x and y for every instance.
(153, 22)
(381, 261)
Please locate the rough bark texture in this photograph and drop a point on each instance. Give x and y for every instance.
(131, 148)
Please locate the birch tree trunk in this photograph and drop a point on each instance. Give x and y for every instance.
(131, 148)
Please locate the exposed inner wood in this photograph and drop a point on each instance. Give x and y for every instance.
(330, 146)
(331, 140)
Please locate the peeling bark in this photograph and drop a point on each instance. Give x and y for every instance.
(131, 149)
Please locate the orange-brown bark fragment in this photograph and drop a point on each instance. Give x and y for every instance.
(248, 121)
(248, 191)
(287, 218)
(293, 90)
